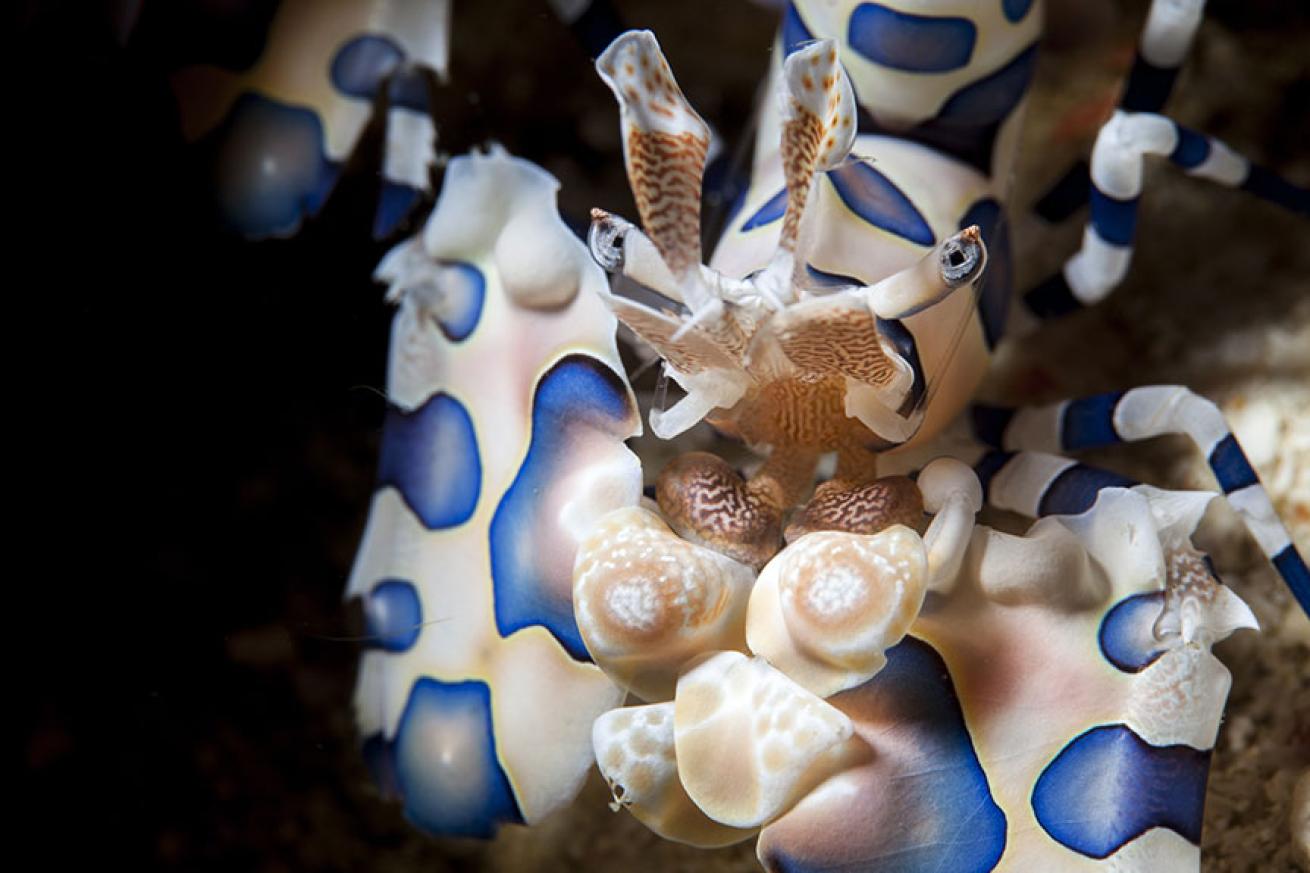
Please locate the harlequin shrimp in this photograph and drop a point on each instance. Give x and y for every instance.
(829, 652)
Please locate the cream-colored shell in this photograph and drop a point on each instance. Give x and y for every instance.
(750, 742)
(827, 607)
(636, 754)
(647, 601)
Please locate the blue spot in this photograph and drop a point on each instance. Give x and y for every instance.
(362, 64)
(1076, 489)
(446, 768)
(966, 126)
(431, 457)
(903, 341)
(270, 167)
(873, 197)
(465, 290)
(990, 99)
(994, 298)
(1015, 10)
(1115, 220)
(942, 796)
(578, 395)
(395, 203)
(380, 759)
(1230, 466)
(1192, 148)
(1088, 423)
(769, 212)
(824, 279)
(794, 32)
(393, 615)
(1109, 786)
(916, 43)
(990, 422)
(408, 89)
(1127, 634)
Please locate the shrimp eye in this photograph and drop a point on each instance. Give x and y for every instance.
(961, 259)
(605, 240)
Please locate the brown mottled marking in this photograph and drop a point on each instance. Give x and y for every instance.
(665, 172)
(864, 509)
(1188, 578)
(837, 340)
(800, 413)
(705, 501)
(800, 154)
(692, 353)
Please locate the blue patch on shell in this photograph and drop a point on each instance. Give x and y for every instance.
(994, 300)
(362, 64)
(579, 393)
(430, 455)
(393, 615)
(443, 761)
(408, 89)
(902, 340)
(464, 290)
(1015, 10)
(1127, 634)
(877, 200)
(769, 212)
(275, 172)
(824, 279)
(380, 759)
(794, 32)
(1109, 786)
(952, 820)
(990, 99)
(914, 43)
(395, 203)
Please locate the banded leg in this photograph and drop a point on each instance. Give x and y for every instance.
(1116, 185)
(1142, 413)
(1166, 40)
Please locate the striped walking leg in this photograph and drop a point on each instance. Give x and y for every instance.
(1166, 40)
(1116, 186)
(1139, 414)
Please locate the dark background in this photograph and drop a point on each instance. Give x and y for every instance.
(195, 420)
